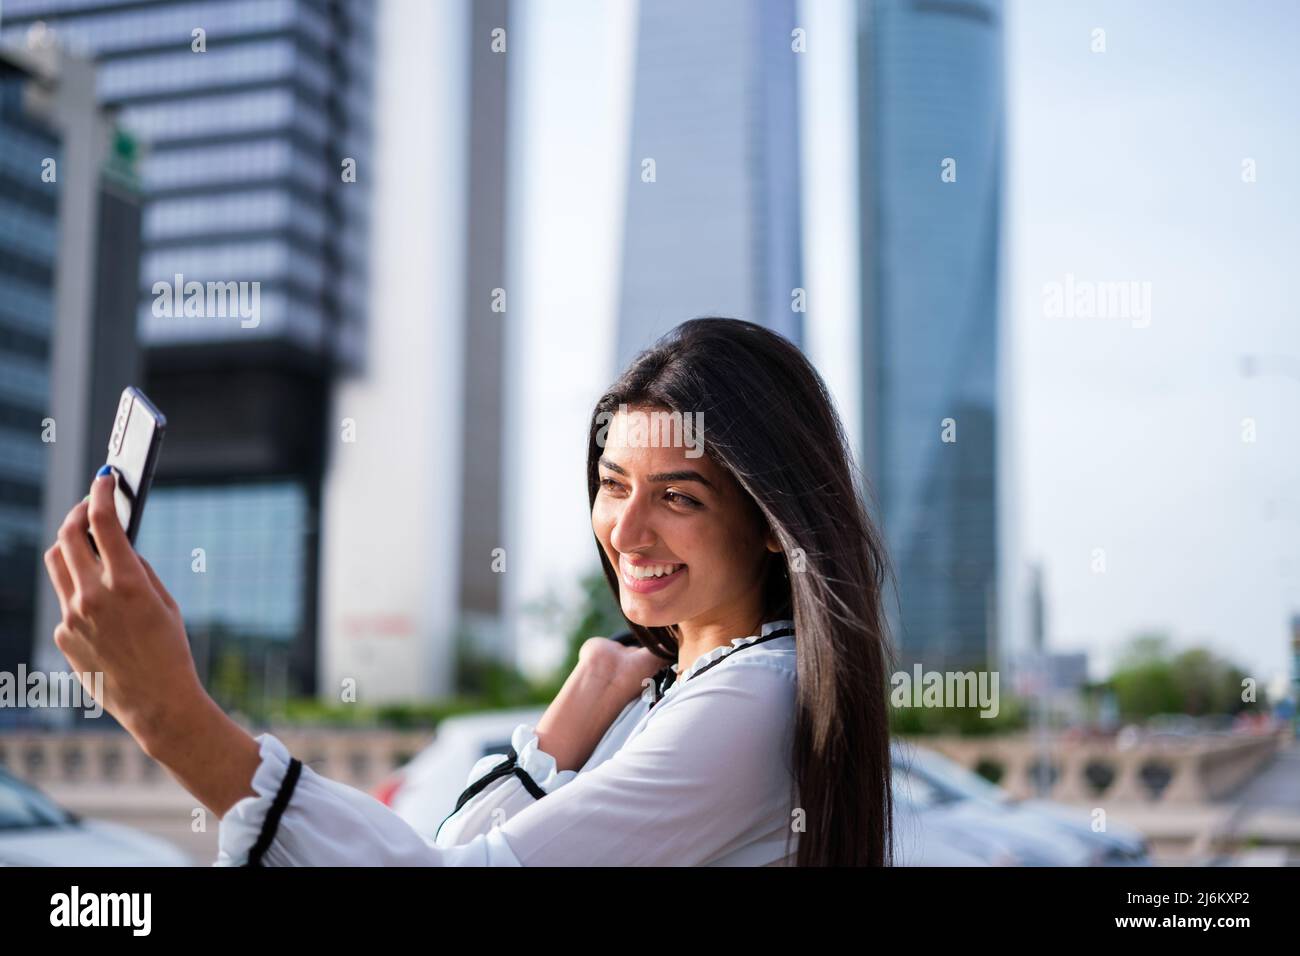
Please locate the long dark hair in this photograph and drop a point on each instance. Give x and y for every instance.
(769, 420)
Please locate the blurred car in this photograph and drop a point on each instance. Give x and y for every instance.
(1117, 845)
(424, 791)
(36, 831)
(1005, 838)
(923, 837)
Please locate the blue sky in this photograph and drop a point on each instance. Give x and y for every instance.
(1127, 165)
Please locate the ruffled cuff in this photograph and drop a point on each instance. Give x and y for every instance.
(540, 766)
(534, 767)
(249, 827)
(508, 783)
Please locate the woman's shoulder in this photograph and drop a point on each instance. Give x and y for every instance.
(772, 648)
(762, 668)
(778, 655)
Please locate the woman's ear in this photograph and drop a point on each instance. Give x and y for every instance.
(772, 543)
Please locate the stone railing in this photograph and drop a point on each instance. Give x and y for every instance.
(1170, 771)
(1195, 770)
(360, 758)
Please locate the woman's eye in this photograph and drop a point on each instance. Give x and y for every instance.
(679, 498)
(609, 483)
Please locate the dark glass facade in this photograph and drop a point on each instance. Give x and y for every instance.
(28, 239)
(234, 557)
(930, 93)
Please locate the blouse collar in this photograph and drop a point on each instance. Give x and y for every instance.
(708, 657)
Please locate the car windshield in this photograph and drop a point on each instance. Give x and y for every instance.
(953, 776)
(23, 806)
(914, 789)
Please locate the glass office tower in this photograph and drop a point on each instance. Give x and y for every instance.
(28, 239)
(69, 255)
(931, 102)
(255, 120)
(715, 123)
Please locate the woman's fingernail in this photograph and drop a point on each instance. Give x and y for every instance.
(104, 470)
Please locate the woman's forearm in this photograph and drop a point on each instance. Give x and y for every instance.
(580, 714)
(209, 755)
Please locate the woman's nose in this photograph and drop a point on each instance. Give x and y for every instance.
(632, 529)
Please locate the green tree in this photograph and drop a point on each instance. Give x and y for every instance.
(1151, 680)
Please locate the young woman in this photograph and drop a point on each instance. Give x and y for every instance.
(738, 547)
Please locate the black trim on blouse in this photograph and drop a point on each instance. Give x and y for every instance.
(663, 680)
(667, 677)
(278, 805)
(504, 769)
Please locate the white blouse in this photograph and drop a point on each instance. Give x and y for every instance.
(695, 775)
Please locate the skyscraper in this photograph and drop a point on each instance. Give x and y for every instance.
(931, 108)
(28, 240)
(414, 507)
(483, 415)
(713, 196)
(69, 252)
(256, 118)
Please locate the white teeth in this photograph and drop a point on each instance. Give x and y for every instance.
(641, 572)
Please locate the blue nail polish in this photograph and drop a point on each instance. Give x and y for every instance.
(105, 470)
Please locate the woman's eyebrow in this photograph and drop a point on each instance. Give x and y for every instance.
(687, 475)
(682, 476)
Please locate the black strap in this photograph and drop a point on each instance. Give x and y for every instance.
(278, 805)
(669, 676)
(504, 769)
(529, 783)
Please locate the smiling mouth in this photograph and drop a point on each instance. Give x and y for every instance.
(650, 576)
(645, 572)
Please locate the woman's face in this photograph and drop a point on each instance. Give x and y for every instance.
(685, 540)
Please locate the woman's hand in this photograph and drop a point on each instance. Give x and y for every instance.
(607, 678)
(119, 620)
(630, 669)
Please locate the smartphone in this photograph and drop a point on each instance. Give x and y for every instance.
(133, 451)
